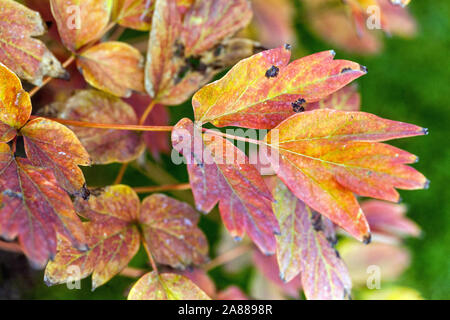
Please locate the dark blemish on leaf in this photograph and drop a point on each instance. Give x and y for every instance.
(316, 220)
(297, 106)
(363, 68)
(65, 76)
(218, 50)
(272, 72)
(49, 24)
(179, 49)
(332, 241)
(84, 192)
(344, 70)
(181, 74)
(425, 131)
(367, 238)
(287, 46)
(337, 254)
(277, 233)
(237, 239)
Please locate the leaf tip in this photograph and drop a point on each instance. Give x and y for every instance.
(426, 185)
(367, 238)
(287, 47)
(425, 131)
(363, 68)
(333, 53)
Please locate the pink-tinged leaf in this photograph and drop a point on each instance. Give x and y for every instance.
(263, 90)
(334, 24)
(114, 67)
(209, 22)
(134, 14)
(389, 218)
(277, 29)
(398, 20)
(303, 248)
(112, 239)
(80, 21)
(157, 142)
(391, 260)
(221, 173)
(166, 286)
(50, 144)
(269, 267)
(231, 293)
(201, 279)
(15, 104)
(34, 208)
(171, 233)
(166, 28)
(103, 146)
(324, 156)
(29, 58)
(346, 99)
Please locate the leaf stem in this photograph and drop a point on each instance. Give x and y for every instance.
(121, 173)
(150, 256)
(111, 126)
(230, 136)
(170, 187)
(228, 256)
(10, 246)
(147, 112)
(131, 272)
(66, 63)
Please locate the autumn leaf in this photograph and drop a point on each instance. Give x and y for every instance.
(114, 67)
(15, 105)
(48, 144)
(303, 248)
(28, 57)
(166, 286)
(389, 219)
(34, 208)
(172, 75)
(103, 146)
(221, 173)
(171, 233)
(324, 156)
(80, 22)
(346, 99)
(117, 222)
(209, 22)
(134, 14)
(261, 91)
(111, 238)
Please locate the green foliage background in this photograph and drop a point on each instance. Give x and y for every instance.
(407, 82)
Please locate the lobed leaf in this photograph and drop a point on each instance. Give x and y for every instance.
(34, 207)
(15, 104)
(303, 248)
(171, 233)
(259, 92)
(28, 57)
(103, 146)
(112, 239)
(166, 286)
(134, 14)
(324, 156)
(114, 67)
(209, 22)
(80, 21)
(221, 173)
(50, 144)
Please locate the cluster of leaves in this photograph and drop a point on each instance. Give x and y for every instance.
(323, 150)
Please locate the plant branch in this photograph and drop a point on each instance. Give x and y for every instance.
(121, 173)
(228, 256)
(111, 126)
(131, 272)
(147, 112)
(150, 256)
(10, 246)
(170, 187)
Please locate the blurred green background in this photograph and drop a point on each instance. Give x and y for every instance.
(407, 82)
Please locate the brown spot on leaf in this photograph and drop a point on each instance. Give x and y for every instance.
(272, 72)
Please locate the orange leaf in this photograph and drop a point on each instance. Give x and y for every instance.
(134, 14)
(346, 99)
(324, 156)
(166, 286)
(104, 146)
(34, 207)
(114, 67)
(15, 105)
(260, 92)
(303, 248)
(209, 22)
(170, 231)
(51, 145)
(29, 58)
(244, 200)
(80, 21)
(111, 238)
